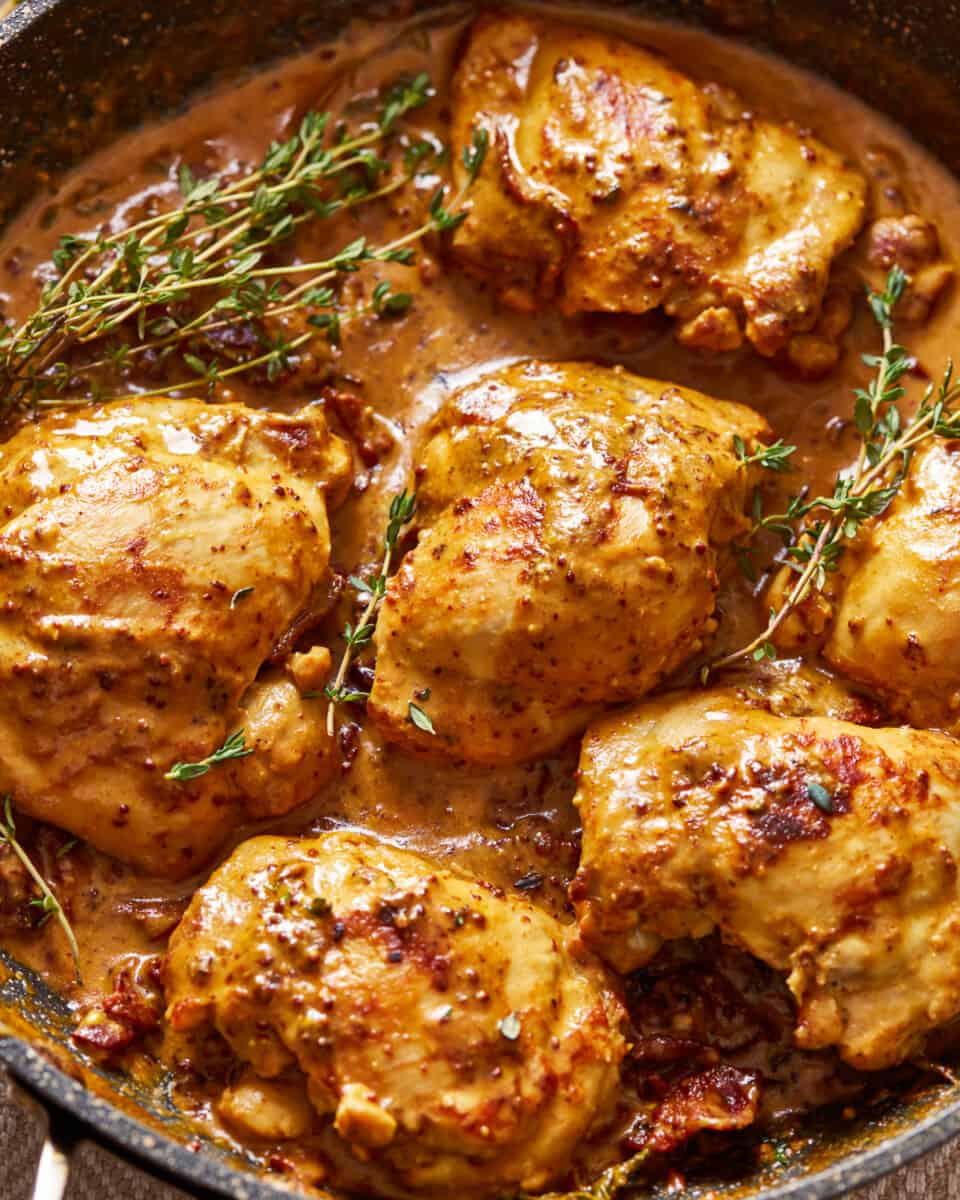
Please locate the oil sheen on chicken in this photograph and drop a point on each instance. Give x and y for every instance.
(154, 555)
(617, 184)
(574, 521)
(827, 849)
(454, 1041)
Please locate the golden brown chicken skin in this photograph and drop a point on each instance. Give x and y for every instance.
(574, 518)
(450, 1039)
(826, 849)
(154, 557)
(617, 184)
(897, 613)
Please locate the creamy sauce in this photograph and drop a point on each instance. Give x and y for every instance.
(509, 824)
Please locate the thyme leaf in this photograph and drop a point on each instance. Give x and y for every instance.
(775, 457)
(420, 719)
(47, 901)
(234, 747)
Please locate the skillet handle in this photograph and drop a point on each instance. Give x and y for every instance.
(33, 1166)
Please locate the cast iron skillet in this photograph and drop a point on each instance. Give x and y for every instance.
(75, 72)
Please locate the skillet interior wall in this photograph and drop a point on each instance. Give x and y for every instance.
(73, 73)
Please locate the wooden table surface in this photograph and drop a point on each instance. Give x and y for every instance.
(935, 1177)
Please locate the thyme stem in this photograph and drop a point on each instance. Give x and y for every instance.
(50, 904)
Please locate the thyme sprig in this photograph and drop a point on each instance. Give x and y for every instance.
(403, 507)
(168, 283)
(47, 902)
(816, 531)
(235, 746)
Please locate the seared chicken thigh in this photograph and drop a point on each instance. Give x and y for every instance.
(456, 1040)
(826, 849)
(615, 183)
(898, 612)
(574, 518)
(154, 555)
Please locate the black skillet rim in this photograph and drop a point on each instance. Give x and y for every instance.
(185, 1166)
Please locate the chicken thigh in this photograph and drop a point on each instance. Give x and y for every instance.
(826, 849)
(574, 518)
(617, 184)
(898, 609)
(456, 1041)
(154, 556)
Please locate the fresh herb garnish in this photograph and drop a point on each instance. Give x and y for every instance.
(420, 719)
(171, 283)
(234, 747)
(402, 510)
(820, 796)
(529, 882)
(815, 532)
(47, 901)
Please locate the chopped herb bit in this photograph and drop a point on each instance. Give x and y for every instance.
(419, 718)
(820, 796)
(764, 650)
(319, 906)
(780, 1150)
(67, 847)
(342, 695)
(509, 1027)
(529, 882)
(234, 747)
(476, 152)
